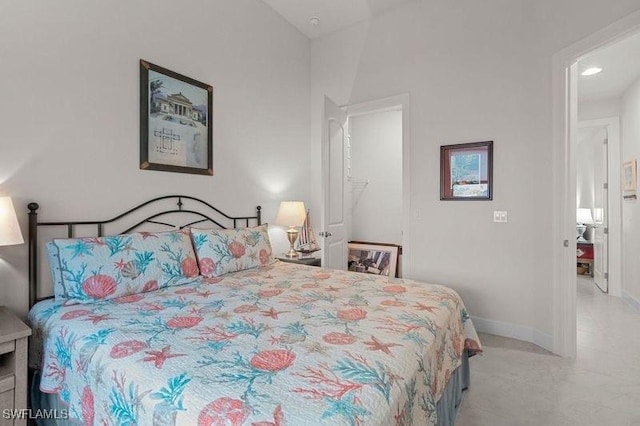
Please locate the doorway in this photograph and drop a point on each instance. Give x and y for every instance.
(598, 198)
(354, 170)
(566, 69)
(374, 178)
(591, 198)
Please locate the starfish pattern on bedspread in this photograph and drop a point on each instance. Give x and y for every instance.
(283, 344)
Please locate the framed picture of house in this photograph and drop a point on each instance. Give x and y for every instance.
(466, 171)
(374, 259)
(176, 127)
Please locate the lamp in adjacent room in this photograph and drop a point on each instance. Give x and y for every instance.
(583, 218)
(10, 233)
(291, 214)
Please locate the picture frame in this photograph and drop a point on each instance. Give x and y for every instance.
(466, 171)
(371, 258)
(630, 176)
(176, 122)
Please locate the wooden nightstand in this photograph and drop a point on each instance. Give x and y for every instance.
(309, 261)
(13, 365)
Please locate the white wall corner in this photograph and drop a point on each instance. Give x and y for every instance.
(544, 340)
(513, 331)
(635, 303)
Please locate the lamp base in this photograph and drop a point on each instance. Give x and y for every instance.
(581, 228)
(292, 235)
(292, 254)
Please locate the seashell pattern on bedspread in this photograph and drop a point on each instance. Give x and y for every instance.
(283, 344)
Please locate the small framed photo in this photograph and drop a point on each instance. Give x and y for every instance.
(466, 171)
(176, 127)
(630, 176)
(373, 258)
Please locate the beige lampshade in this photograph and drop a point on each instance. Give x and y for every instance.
(584, 216)
(10, 233)
(291, 213)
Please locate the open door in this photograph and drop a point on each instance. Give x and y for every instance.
(601, 217)
(334, 229)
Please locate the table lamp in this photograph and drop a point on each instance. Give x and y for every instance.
(291, 214)
(583, 218)
(10, 233)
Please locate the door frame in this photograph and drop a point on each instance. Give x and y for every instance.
(614, 197)
(387, 104)
(565, 122)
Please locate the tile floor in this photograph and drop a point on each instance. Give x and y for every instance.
(518, 383)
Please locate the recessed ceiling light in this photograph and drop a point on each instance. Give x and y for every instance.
(591, 71)
(314, 20)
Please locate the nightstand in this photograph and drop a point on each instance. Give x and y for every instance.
(584, 256)
(13, 365)
(309, 261)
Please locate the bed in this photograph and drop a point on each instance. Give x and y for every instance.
(271, 345)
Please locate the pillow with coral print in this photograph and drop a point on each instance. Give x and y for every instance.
(221, 251)
(103, 268)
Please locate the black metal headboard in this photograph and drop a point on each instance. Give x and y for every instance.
(218, 219)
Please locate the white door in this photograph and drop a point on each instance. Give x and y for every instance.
(334, 229)
(600, 234)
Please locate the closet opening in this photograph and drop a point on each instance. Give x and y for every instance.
(374, 189)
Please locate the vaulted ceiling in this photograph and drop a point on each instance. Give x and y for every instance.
(332, 14)
(620, 61)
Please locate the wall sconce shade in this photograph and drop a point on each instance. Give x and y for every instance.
(10, 233)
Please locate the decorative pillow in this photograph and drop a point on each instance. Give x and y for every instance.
(221, 251)
(108, 267)
(54, 264)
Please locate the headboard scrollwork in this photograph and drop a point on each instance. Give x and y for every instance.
(195, 210)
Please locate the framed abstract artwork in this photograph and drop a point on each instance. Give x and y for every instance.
(176, 127)
(466, 171)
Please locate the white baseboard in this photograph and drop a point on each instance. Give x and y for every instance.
(543, 340)
(514, 331)
(635, 303)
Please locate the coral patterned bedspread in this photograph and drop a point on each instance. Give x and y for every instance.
(285, 344)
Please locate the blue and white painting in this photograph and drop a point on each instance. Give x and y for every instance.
(178, 126)
(469, 174)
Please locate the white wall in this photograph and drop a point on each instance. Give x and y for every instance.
(591, 170)
(376, 151)
(585, 160)
(475, 71)
(631, 209)
(591, 161)
(593, 110)
(69, 108)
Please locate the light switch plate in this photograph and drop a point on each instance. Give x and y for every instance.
(500, 216)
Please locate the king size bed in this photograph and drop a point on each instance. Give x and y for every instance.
(224, 335)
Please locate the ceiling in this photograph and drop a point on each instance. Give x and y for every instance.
(620, 61)
(620, 65)
(333, 14)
